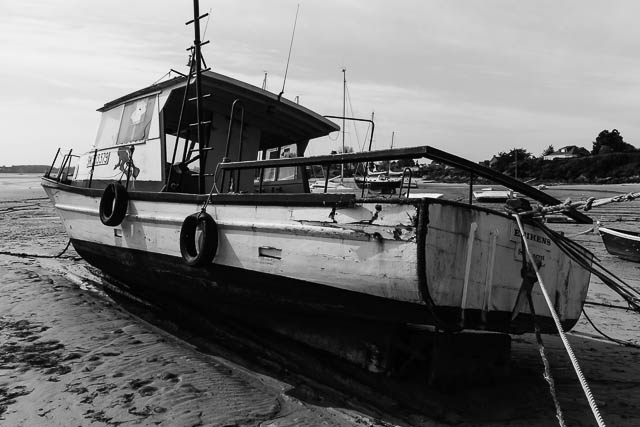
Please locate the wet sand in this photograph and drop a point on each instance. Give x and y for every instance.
(69, 355)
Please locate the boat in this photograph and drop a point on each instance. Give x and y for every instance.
(489, 195)
(332, 185)
(622, 243)
(379, 182)
(206, 200)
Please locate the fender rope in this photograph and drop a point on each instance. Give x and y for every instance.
(563, 337)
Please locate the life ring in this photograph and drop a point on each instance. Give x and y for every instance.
(113, 204)
(199, 250)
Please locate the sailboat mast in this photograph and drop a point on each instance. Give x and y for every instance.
(393, 133)
(344, 114)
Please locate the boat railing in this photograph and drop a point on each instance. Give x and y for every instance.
(366, 167)
(406, 173)
(62, 172)
(411, 153)
(234, 181)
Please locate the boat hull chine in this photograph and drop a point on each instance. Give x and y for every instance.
(163, 278)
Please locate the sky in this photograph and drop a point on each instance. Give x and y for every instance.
(474, 78)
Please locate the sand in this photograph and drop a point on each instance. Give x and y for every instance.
(71, 356)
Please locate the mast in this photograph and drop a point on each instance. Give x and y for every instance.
(344, 115)
(393, 133)
(198, 59)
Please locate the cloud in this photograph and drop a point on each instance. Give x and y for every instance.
(470, 77)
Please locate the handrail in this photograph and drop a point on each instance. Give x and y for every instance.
(413, 153)
(404, 172)
(225, 159)
(373, 128)
(48, 174)
(93, 166)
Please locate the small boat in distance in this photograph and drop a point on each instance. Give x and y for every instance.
(489, 195)
(621, 243)
(379, 181)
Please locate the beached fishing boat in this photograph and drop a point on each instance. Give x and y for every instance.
(197, 189)
(622, 243)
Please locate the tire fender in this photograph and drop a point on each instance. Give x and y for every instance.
(198, 251)
(113, 204)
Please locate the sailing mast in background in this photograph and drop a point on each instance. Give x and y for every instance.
(344, 114)
(393, 133)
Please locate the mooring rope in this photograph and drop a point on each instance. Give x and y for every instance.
(615, 340)
(563, 337)
(582, 232)
(26, 255)
(545, 362)
(586, 205)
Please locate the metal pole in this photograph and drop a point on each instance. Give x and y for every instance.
(48, 174)
(198, 59)
(93, 166)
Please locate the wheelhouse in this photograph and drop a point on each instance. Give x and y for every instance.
(151, 138)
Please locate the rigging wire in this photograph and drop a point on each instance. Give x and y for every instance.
(204, 33)
(286, 70)
(615, 340)
(353, 114)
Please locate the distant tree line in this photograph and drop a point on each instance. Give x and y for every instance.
(24, 169)
(611, 160)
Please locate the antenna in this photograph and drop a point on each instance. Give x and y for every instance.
(293, 33)
(204, 34)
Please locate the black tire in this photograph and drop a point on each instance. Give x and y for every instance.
(113, 204)
(198, 252)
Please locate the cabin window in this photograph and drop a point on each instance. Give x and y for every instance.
(270, 173)
(109, 125)
(136, 121)
(284, 173)
(288, 172)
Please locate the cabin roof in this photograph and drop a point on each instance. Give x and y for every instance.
(267, 111)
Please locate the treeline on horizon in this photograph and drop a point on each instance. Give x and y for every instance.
(610, 161)
(24, 169)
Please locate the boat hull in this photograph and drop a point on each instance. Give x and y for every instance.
(622, 243)
(492, 196)
(386, 186)
(422, 261)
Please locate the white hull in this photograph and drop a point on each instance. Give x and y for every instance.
(472, 257)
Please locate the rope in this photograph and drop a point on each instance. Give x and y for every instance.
(587, 205)
(615, 340)
(620, 307)
(563, 337)
(577, 253)
(545, 362)
(64, 250)
(582, 232)
(26, 255)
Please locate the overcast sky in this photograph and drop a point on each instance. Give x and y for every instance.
(470, 77)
